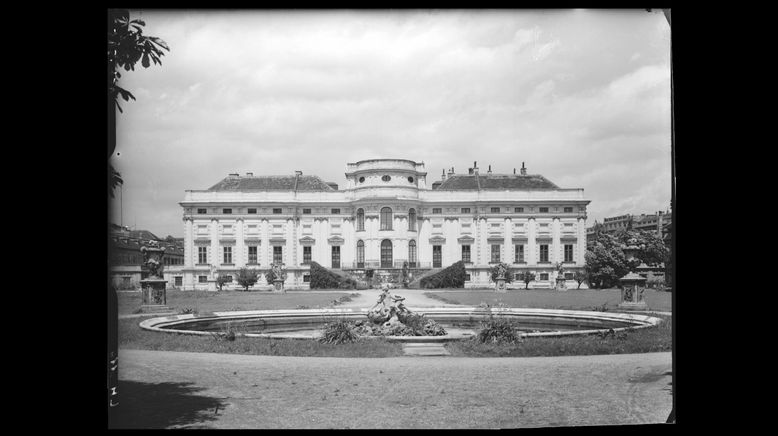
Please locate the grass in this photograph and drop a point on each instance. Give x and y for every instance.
(647, 340)
(132, 337)
(204, 301)
(573, 299)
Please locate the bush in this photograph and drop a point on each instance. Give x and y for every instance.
(246, 278)
(322, 278)
(451, 277)
(338, 332)
(498, 330)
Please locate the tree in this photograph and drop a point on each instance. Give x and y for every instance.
(247, 278)
(126, 46)
(221, 280)
(579, 277)
(525, 277)
(606, 261)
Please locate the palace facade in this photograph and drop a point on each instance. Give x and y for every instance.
(386, 214)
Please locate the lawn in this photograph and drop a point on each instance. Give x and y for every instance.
(573, 299)
(203, 301)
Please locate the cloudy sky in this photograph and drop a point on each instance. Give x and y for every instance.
(582, 97)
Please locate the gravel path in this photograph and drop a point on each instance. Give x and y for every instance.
(414, 298)
(161, 389)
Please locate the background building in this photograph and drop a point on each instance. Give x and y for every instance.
(385, 215)
(125, 259)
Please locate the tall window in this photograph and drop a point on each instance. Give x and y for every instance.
(412, 219)
(568, 252)
(495, 253)
(437, 256)
(252, 254)
(306, 254)
(412, 253)
(386, 218)
(518, 254)
(202, 255)
(360, 219)
(227, 254)
(278, 254)
(386, 253)
(466, 253)
(360, 254)
(544, 253)
(336, 256)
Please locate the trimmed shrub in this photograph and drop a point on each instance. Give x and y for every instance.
(451, 277)
(498, 330)
(322, 278)
(339, 332)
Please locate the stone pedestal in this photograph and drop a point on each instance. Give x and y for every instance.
(499, 285)
(561, 284)
(632, 287)
(153, 295)
(278, 286)
(212, 285)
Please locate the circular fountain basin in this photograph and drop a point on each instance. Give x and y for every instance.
(459, 322)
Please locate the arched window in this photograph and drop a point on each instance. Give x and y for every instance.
(412, 219)
(360, 254)
(386, 218)
(386, 253)
(360, 219)
(412, 254)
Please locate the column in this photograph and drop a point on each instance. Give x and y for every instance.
(581, 243)
(240, 250)
(507, 255)
(214, 258)
(532, 244)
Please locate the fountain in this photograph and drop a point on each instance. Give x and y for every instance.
(154, 296)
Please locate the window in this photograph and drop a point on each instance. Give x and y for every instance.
(544, 253)
(335, 211)
(410, 179)
(495, 253)
(227, 211)
(437, 210)
(360, 219)
(412, 220)
(568, 210)
(306, 211)
(495, 210)
(543, 276)
(386, 253)
(437, 256)
(306, 278)
(467, 277)
(569, 276)
(464, 210)
(336, 256)
(568, 252)
(518, 210)
(253, 210)
(278, 252)
(466, 253)
(543, 210)
(202, 211)
(386, 178)
(276, 210)
(202, 255)
(306, 255)
(227, 255)
(228, 278)
(412, 253)
(360, 254)
(386, 218)
(179, 281)
(202, 279)
(518, 254)
(252, 254)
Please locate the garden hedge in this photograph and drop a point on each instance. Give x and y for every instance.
(451, 277)
(322, 278)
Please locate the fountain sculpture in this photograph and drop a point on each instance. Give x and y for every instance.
(389, 316)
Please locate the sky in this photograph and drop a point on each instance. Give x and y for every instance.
(582, 97)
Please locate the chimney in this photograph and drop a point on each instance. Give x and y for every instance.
(249, 174)
(523, 170)
(298, 173)
(475, 167)
(490, 169)
(514, 171)
(234, 175)
(443, 177)
(451, 171)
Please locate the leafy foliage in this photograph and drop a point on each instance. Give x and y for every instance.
(247, 278)
(338, 332)
(606, 261)
(498, 329)
(221, 280)
(579, 277)
(322, 278)
(451, 277)
(525, 277)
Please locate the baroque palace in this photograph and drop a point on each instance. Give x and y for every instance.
(386, 214)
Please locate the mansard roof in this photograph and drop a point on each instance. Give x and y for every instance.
(497, 182)
(271, 183)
